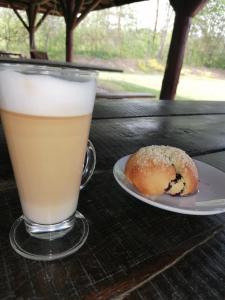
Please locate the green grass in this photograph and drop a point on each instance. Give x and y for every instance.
(191, 87)
(128, 87)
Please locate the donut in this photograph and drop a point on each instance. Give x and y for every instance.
(157, 170)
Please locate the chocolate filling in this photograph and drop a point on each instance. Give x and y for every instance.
(168, 188)
(174, 181)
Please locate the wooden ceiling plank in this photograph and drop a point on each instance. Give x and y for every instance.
(43, 2)
(22, 5)
(56, 7)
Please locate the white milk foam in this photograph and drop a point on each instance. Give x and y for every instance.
(40, 95)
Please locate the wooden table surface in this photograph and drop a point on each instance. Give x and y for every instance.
(60, 64)
(134, 251)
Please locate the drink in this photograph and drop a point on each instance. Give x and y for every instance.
(47, 154)
(46, 118)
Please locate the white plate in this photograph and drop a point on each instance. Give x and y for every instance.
(209, 200)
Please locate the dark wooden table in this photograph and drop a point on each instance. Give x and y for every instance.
(54, 63)
(134, 251)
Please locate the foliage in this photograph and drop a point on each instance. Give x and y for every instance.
(128, 87)
(199, 86)
(114, 33)
(207, 37)
(150, 65)
(12, 33)
(109, 35)
(49, 37)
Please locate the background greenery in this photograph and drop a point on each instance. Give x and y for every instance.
(114, 38)
(114, 33)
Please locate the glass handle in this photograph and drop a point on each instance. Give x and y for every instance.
(89, 164)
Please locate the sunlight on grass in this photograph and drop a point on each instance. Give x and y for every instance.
(127, 87)
(191, 87)
(201, 88)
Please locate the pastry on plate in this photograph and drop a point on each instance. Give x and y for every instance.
(155, 170)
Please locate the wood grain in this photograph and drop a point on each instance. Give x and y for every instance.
(134, 251)
(129, 108)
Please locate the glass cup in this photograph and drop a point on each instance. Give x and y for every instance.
(46, 114)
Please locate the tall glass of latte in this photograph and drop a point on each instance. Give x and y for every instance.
(46, 114)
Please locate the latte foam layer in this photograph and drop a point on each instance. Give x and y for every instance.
(45, 95)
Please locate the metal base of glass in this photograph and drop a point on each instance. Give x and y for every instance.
(49, 242)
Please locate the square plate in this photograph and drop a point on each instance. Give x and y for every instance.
(209, 200)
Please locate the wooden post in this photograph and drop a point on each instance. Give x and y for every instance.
(175, 57)
(68, 8)
(184, 11)
(31, 12)
(69, 43)
(74, 13)
(31, 33)
(31, 17)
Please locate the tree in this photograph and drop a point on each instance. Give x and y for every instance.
(207, 36)
(12, 32)
(164, 32)
(156, 22)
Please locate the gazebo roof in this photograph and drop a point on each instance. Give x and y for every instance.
(54, 7)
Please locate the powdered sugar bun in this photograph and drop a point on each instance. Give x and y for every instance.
(155, 170)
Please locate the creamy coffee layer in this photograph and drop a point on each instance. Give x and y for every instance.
(47, 156)
(46, 122)
(44, 95)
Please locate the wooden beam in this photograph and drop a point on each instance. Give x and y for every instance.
(189, 8)
(18, 15)
(184, 11)
(198, 7)
(31, 12)
(175, 57)
(71, 9)
(77, 9)
(69, 43)
(65, 10)
(67, 7)
(31, 16)
(43, 18)
(91, 7)
(71, 6)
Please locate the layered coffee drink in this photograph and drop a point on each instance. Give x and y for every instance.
(46, 121)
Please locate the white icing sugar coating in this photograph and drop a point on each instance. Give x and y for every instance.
(166, 155)
(46, 95)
